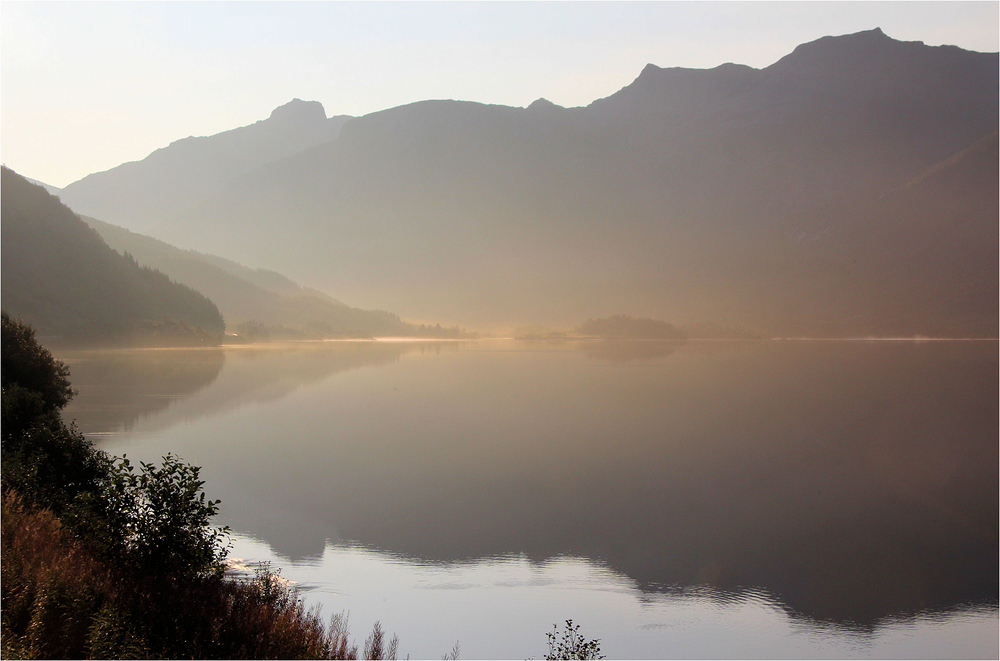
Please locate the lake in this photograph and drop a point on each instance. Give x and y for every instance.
(675, 499)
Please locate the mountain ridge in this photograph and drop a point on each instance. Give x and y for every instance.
(676, 197)
(174, 177)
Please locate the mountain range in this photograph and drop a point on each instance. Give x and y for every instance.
(848, 189)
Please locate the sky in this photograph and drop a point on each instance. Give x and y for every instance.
(86, 86)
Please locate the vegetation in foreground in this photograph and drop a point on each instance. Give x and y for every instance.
(100, 560)
(572, 645)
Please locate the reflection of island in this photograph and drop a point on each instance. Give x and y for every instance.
(853, 484)
(627, 351)
(618, 338)
(118, 387)
(624, 327)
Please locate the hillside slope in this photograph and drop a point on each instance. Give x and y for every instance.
(919, 259)
(253, 298)
(60, 277)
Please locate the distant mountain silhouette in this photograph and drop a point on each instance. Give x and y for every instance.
(729, 195)
(51, 189)
(266, 300)
(181, 174)
(60, 277)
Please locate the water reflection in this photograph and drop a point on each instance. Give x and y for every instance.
(499, 607)
(627, 351)
(853, 482)
(115, 389)
(118, 388)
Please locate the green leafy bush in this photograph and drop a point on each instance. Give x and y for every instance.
(31, 366)
(161, 517)
(53, 466)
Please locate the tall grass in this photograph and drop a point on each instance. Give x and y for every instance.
(51, 586)
(60, 601)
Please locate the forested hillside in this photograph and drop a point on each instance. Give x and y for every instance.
(64, 280)
(259, 304)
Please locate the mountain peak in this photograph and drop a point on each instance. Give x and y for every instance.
(832, 51)
(543, 104)
(298, 110)
(721, 72)
(870, 62)
(873, 38)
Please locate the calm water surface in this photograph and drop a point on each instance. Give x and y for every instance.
(696, 499)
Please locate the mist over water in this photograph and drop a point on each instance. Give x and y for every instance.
(845, 487)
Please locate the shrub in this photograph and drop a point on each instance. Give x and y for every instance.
(159, 518)
(31, 366)
(48, 463)
(572, 645)
(52, 465)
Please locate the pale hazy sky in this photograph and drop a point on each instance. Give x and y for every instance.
(87, 86)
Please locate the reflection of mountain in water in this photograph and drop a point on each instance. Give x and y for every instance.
(117, 388)
(852, 481)
(853, 485)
